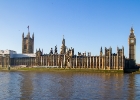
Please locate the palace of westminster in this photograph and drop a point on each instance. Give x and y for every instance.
(66, 58)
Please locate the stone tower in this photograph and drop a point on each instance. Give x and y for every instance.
(132, 45)
(28, 43)
(63, 47)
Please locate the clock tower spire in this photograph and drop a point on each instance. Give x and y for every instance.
(132, 45)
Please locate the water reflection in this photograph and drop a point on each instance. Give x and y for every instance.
(137, 87)
(68, 86)
(26, 87)
(52, 86)
(65, 86)
(96, 86)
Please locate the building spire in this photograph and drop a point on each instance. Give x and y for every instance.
(63, 41)
(101, 50)
(132, 30)
(23, 35)
(28, 28)
(132, 35)
(33, 36)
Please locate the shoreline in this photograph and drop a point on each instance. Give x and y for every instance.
(41, 69)
(60, 70)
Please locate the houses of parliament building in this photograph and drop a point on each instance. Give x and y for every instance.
(106, 60)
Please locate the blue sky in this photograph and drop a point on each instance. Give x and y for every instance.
(86, 24)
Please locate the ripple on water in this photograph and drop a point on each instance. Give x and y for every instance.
(68, 86)
(10, 85)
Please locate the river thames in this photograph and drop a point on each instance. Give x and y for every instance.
(69, 86)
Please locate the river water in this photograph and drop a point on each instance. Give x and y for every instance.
(69, 86)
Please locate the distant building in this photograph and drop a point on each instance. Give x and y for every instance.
(66, 59)
(7, 52)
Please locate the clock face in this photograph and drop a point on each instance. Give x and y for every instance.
(132, 41)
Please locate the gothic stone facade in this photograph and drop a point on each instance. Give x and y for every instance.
(67, 59)
(27, 43)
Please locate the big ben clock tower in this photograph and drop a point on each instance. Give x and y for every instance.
(132, 45)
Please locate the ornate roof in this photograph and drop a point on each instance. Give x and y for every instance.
(132, 35)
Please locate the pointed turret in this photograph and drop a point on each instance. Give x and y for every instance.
(105, 51)
(23, 35)
(42, 51)
(28, 29)
(101, 51)
(51, 51)
(33, 36)
(122, 50)
(122, 47)
(132, 35)
(63, 41)
(132, 30)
